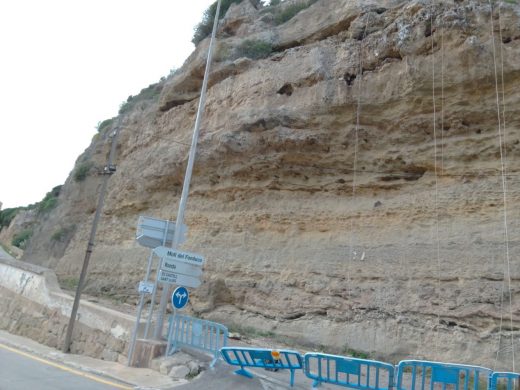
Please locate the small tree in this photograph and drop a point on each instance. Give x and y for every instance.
(21, 239)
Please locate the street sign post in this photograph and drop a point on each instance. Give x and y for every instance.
(174, 278)
(180, 297)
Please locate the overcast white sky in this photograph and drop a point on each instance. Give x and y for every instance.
(66, 65)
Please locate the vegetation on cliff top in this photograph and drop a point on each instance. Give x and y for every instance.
(280, 16)
(46, 204)
(7, 215)
(151, 92)
(203, 29)
(50, 201)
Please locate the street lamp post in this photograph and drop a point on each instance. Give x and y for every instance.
(189, 169)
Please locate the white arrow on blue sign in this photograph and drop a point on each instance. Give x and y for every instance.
(180, 297)
(174, 278)
(174, 254)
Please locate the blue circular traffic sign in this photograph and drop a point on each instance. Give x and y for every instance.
(180, 297)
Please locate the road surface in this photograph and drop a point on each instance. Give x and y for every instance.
(21, 371)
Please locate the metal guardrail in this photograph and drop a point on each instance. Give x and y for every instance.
(262, 358)
(191, 332)
(505, 381)
(349, 372)
(425, 375)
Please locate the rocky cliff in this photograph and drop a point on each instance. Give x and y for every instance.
(347, 190)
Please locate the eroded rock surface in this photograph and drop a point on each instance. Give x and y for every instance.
(322, 179)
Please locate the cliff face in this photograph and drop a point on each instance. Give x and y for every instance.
(286, 183)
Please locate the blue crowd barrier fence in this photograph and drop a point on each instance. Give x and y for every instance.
(425, 375)
(262, 358)
(349, 372)
(191, 332)
(505, 381)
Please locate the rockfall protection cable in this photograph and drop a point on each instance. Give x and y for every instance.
(359, 77)
(436, 202)
(442, 99)
(503, 166)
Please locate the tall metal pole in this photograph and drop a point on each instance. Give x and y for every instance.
(108, 170)
(189, 169)
(139, 311)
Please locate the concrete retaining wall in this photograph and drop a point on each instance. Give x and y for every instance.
(33, 305)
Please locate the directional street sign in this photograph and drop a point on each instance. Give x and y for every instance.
(174, 278)
(180, 297)
(173, 254)
(181, 268)
(152, 232)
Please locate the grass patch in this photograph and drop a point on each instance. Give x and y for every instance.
(249, 331)
(355, 353)
(254, 49)
(69, 283)
(81, 172)
(21, 239)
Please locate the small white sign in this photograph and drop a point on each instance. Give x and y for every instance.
(181, 268)
(145, 287)
(174, 254)
(181, 280)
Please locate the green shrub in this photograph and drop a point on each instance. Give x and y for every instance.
(81, 172)
(204, 28)
(274, 3)
(289, 12)
(50, 201)
(254, 49)
(106, 124)
(21, 239)
(47, 204)
(7, 215)
(61, 233)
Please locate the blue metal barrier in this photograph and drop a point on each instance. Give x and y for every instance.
(348, 372)
(425, 375)
(507, 379)
(262, 358)
(185, 331)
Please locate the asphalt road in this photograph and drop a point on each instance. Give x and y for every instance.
(22, 371)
